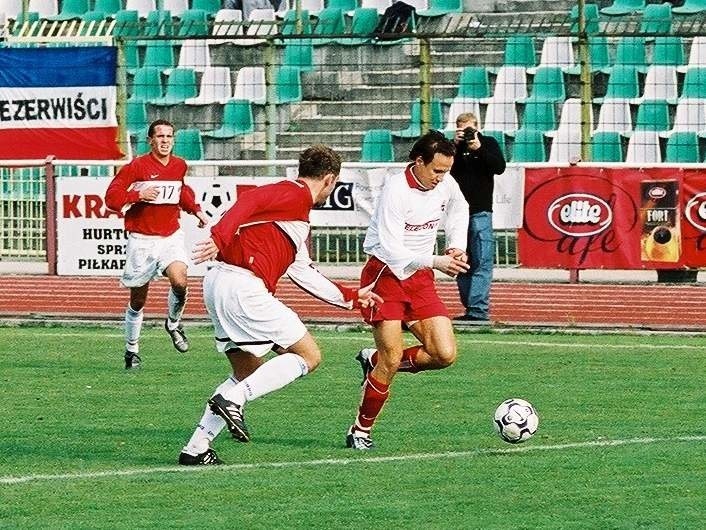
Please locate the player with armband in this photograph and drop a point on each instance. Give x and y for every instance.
(150, 191)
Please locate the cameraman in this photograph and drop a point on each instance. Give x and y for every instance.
(478, 159)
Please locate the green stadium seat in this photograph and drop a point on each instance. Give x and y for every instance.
(438, 8)
(181, 86)
(669, 51)
(694, 84)
(289, 23)
(136, 120)
(539, 116)
(130, 55)
(656, 20)
(606, 146)
(159, 54)
(652, 115)
(193, 23)
(690, 7)
(683, 147)
(624, 7)
(597, 55)
(141, 146)
(237, 119)
(414, 129)
(107, 8)
(520, 51)
(591, 14)
(71, 9)
(146, 84)
(529, 146)
(188, 144)
(211, 7)
(364, 22)
(632, 51)
(299, 53)
(27, 18)
(288, 84)
(329, 22)
(127, 23)
(473, 84)
(158, 23)
(622, 84)
(343, 5)
(499, 137)
(548, 84)
(377, 146)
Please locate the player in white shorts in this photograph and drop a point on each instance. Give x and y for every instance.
(261, 238)
(151, 192)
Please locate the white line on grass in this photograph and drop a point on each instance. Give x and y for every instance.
(10, 480)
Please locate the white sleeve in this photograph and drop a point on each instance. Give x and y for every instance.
(390, 225)
(307, 277)
(456, 225)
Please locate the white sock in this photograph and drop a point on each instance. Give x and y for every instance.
(210, 425)
(176, 305)
(133, 326)
(273, 375)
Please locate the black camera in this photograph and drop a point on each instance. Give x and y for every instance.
(469, 134)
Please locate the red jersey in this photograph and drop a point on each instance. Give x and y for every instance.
(160, 217)
(266, 231)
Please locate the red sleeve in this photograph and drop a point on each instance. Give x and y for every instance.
(187, 200)
(117, 195)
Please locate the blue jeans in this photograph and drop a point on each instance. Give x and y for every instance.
(474, 285)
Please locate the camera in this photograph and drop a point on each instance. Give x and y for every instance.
(469, 134)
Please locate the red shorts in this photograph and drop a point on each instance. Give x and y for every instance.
(408, 300)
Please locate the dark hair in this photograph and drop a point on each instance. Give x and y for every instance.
(155, 123)
(318, 161)
(431, 143)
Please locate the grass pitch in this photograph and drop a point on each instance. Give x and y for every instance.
(620, 445)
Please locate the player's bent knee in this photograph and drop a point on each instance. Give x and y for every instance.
(446, 358)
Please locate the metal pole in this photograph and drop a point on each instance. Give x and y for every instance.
(270, 105)
(586, 90)
(425, 82)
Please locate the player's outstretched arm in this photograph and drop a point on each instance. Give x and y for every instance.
(367, 298)
(205, 250)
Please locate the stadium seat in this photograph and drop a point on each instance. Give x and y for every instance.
(289, 23)
(548, 85)
(624, 7)
(566, 146)
(146, 84)
(130, 54)
(288, 84)
(557, 52)
(377, 146)
(11, 8)
(622, 84)
(127, 24)
(694, 84)
(181, 85)
(690, 116)
(250, 85)
(414, 128)
(159, 54)
(314, 7)
(520, 51)
(141, 146)
(697, 53)
(136, 118)
(631, 51)
(188, 144)
(510, 85)
(652, 115)
(175, 7)
(615, 116)
(418, 5)
(45, 8)
(501, 116)
(107, 8)
(656, 20)
(473, 84)
(71, 9)
(211, 7)
(194, 53)
(682, 147)
(329, 22)
(570, 118)
(237, 119)
(24, 21)
(158, 23)
(539, 116)
(299, 53)
(597, 55)
(660, 83)
(380, 5)
(215, 86)
(591, 15)
(459, 106)
(643, 147)
(364, 22)
(528, 147)
(668, 51)
(193, 23)
(690, 7)
(259, 22)
(437, 8)
(499, 137)
(606, 146)
(344, 5)
(143, 7)
(227, 23)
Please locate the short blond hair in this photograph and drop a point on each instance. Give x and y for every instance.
(466, 116)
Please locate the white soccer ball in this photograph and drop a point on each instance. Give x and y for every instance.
(515, 420)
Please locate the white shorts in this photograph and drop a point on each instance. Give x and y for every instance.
(148, 257)
(245, 314)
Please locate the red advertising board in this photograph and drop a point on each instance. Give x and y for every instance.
(614, 218)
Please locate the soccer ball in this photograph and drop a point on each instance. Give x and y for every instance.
(515, 420)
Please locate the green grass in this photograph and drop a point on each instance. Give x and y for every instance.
(70, 410)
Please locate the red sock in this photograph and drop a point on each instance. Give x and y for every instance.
(375, 394)
(409, 358)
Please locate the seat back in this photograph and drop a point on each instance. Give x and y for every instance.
(529, 146)
(548, 84)
(377, 146)
(188, 144)
(520, 51)
(606, 146)
(473, 83)
(683, 147)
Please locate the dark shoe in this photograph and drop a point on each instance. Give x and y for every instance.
(132, 360)
(208, 458)
(178, 337)
(356, 441)
(364, 357)
(469, 318)
(232, 413)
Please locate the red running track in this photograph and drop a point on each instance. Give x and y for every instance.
(653, 306)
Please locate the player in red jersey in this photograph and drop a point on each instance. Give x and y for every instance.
(150, 190)
(400, 242)
(262, 237)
